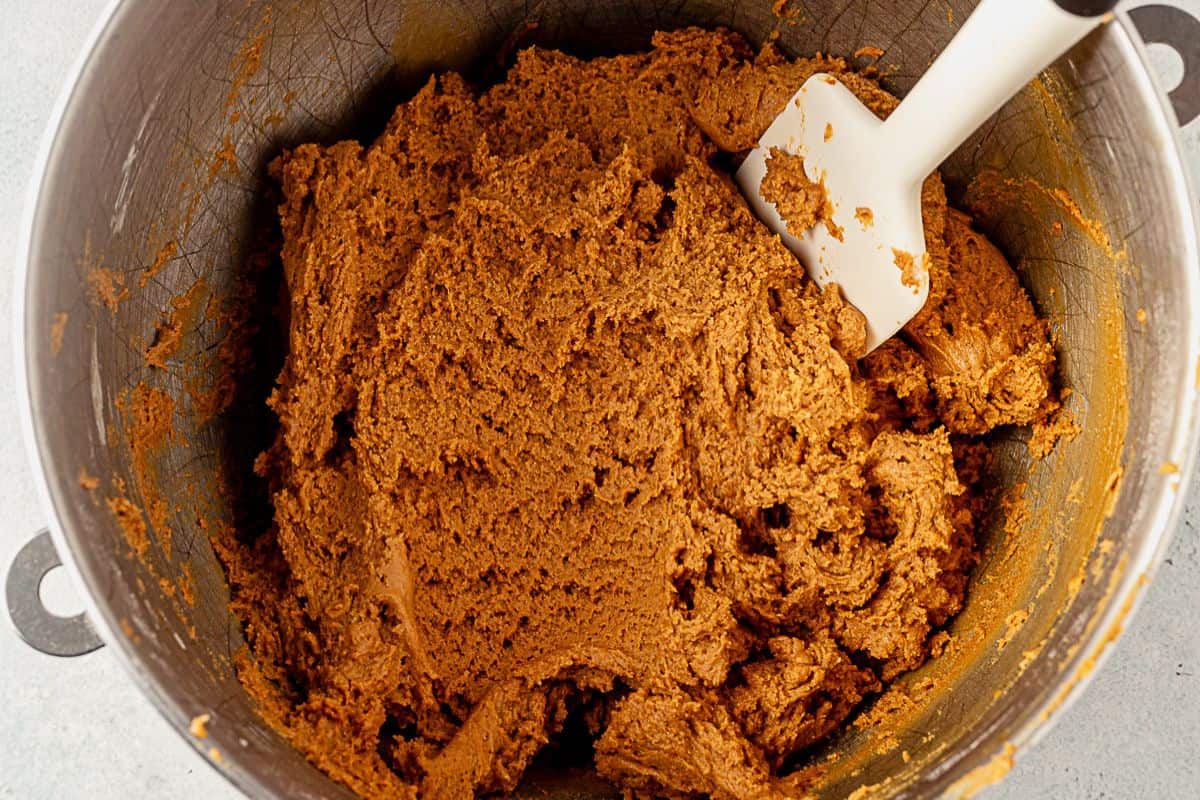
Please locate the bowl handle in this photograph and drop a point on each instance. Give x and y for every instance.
(1170, 25)
(42, 630)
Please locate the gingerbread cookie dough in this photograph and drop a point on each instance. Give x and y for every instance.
(567, 434)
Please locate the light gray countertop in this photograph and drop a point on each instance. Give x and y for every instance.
(78, 727)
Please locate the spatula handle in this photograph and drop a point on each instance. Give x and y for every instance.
(1001, 47)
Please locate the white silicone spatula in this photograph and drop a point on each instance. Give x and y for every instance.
(865, 163)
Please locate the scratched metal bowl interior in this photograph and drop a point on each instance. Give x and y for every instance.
(167, 137)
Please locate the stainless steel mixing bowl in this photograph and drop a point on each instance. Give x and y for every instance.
(164, 138)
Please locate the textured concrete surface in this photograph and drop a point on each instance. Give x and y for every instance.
(78, 727)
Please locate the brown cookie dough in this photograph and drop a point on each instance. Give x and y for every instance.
(566, 433)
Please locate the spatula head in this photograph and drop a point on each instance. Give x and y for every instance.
(875, 248)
